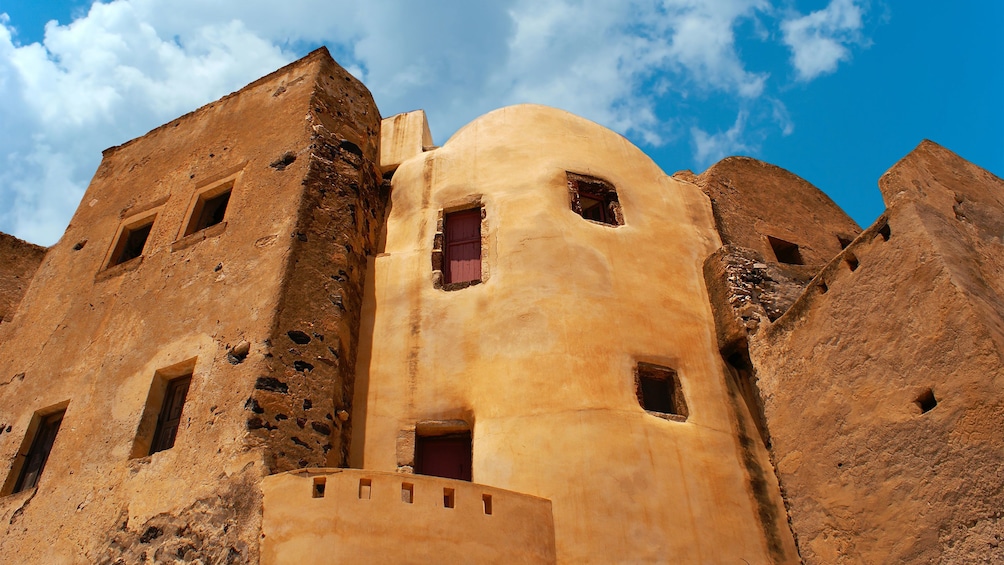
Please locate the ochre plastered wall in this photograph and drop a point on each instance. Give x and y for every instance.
(93, 338)
(539, 359)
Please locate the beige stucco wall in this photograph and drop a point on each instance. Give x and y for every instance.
(539, 359)
(375, 524)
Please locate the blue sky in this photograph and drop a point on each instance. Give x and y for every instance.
(835, 91)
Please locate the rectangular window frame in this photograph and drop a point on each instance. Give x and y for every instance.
(198, 214)
(442, 278)
(149, 434)
(115, 261)
(37, 445)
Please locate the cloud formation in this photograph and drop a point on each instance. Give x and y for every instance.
(820, 40)
(129, 65)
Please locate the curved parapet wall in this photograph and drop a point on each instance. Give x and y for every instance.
(321, 516)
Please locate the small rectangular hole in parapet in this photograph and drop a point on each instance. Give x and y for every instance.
(319, 487)
(365, 488)
(885, 232)
(785, 251)
(487, 500)
(926, 401)
(449, 498)
(407, 493)
(852, 262)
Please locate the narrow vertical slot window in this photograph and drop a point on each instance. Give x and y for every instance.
(319, 483)
(407, 493)
(449, 498)
(486, 500)
(365, 489)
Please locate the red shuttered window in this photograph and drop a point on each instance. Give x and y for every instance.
(462, 246)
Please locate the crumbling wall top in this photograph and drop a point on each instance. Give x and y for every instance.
(766, 208)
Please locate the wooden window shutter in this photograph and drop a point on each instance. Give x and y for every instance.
(462, 246)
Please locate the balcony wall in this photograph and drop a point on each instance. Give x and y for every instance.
(364, 517)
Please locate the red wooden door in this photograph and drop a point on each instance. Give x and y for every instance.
(444, 456)
(462, 235)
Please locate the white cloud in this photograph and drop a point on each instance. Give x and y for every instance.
(129, 65)
(713, 147)
(819, 41)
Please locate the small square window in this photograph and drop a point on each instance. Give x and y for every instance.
(660, 392)
(131, 241)
(447, 456)
(210, 209)
(42, 431)
(785, 251)
(594, 199)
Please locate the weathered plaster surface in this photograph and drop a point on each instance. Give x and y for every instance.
(94, 337)
(920, 312)
(18, 262)
(539, 359)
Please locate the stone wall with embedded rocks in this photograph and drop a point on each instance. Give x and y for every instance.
(301, 406)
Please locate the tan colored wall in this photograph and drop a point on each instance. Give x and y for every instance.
(350, 525)
(752, 200)
(540, 358)
(18, 262)
(868, 477)
(95, 337)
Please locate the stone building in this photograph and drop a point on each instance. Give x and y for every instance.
(281, 329)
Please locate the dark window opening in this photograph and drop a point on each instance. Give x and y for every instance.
(594, 199)
(844, 241)
(486, 501)
(319, 483)
(926, 401)
(209, 211)
(852, 262)
(785, 251)
(131, 242)
(462, 246)
(885, 232)
(37, 456)
(449, 498)
(447, 456)
(170, 414)
(660, 391)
